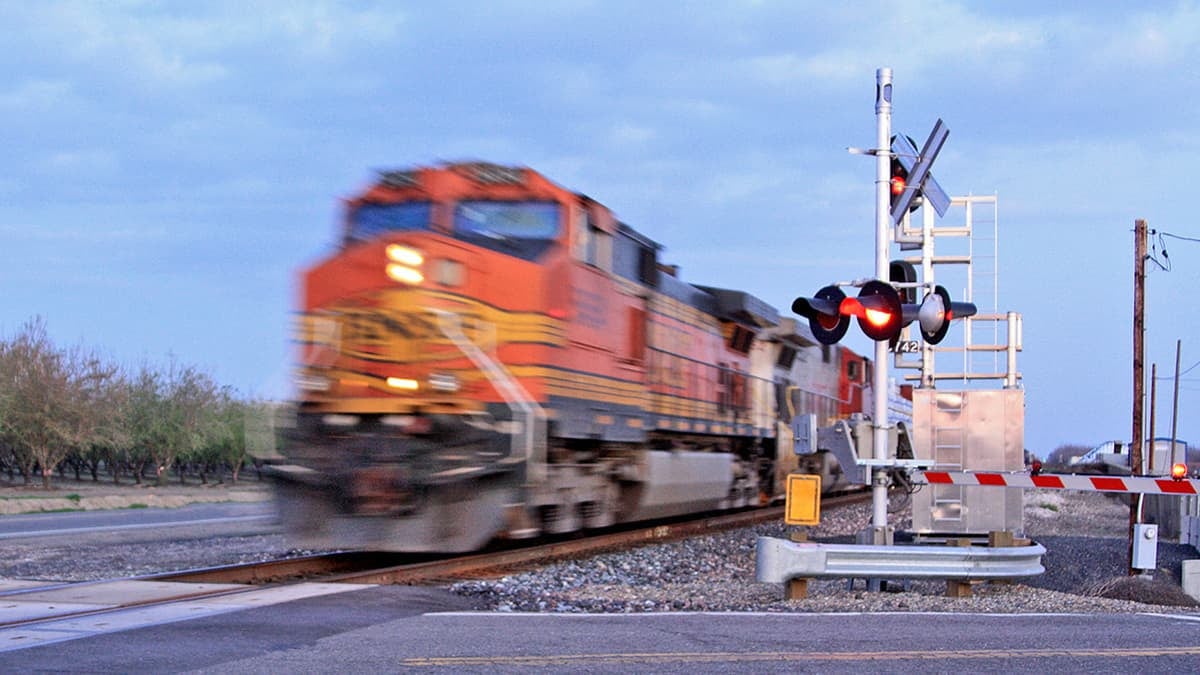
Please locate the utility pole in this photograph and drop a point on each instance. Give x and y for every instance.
(1153, 407)
(1139, 370)
(1139, 347)
(1175, 408)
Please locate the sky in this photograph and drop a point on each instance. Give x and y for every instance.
(168, 167)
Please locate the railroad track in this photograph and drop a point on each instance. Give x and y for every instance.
(316, 574)
(364, 568)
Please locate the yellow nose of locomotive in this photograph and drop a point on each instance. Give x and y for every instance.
(371, 338)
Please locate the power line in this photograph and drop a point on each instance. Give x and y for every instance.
(1177, 236)
(1158, 253)
(1181, 373)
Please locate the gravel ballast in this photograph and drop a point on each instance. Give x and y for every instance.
(716, 572)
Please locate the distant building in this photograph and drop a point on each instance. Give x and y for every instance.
(1114, 455)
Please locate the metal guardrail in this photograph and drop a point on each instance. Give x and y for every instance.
(779, 561)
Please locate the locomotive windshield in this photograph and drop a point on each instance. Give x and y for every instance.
(524, 229)
(371, 220)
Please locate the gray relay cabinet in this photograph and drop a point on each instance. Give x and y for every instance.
(975, 430)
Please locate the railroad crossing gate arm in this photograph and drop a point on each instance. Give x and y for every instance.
(1120, 484)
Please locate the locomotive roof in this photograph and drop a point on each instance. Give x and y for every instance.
(741, 306)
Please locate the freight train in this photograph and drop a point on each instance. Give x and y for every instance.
(489, 355)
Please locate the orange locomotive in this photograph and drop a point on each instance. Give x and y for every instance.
(489, 354)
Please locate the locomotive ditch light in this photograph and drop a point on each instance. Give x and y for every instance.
(824, 315)
(403, 383)
(1178, 471)
(878, 309)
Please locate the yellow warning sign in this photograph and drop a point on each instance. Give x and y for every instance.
(803, 503)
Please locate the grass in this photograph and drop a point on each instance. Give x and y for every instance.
(137, 506)
(1049, 507)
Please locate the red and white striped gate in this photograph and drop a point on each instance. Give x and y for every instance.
(1130, 484)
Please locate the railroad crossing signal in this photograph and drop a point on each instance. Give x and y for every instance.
(878, 308)
(824, 315)
(910, 173)
(881, 312)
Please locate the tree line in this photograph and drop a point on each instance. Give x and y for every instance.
(71, 408)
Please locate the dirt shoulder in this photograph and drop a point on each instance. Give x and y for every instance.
(86, 495)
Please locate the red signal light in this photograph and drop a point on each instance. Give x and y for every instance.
(875, 317)
(898, 185)
(825, 319)
(1179, 471)
(878, 309)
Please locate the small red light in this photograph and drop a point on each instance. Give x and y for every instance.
(1179, 471)
(897, 185)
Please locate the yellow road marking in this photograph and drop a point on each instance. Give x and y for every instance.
(743, 657)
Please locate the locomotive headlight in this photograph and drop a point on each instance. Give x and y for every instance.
(405, 255)
(403, 383)
(405, 275)
(404, 264)
(443, 382)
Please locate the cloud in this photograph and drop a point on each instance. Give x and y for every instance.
(913, 39)
(324, 29)
(153, 46)
(1148, 39)
(35, 95)
(77, 162)
(631, 134)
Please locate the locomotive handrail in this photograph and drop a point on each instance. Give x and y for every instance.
(515, 395)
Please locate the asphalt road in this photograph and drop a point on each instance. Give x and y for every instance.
(254, 515)
(401, 629)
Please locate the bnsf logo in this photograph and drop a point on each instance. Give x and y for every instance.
(395, 334)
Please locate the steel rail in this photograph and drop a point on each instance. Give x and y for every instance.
(361, 567)
(499, 562)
